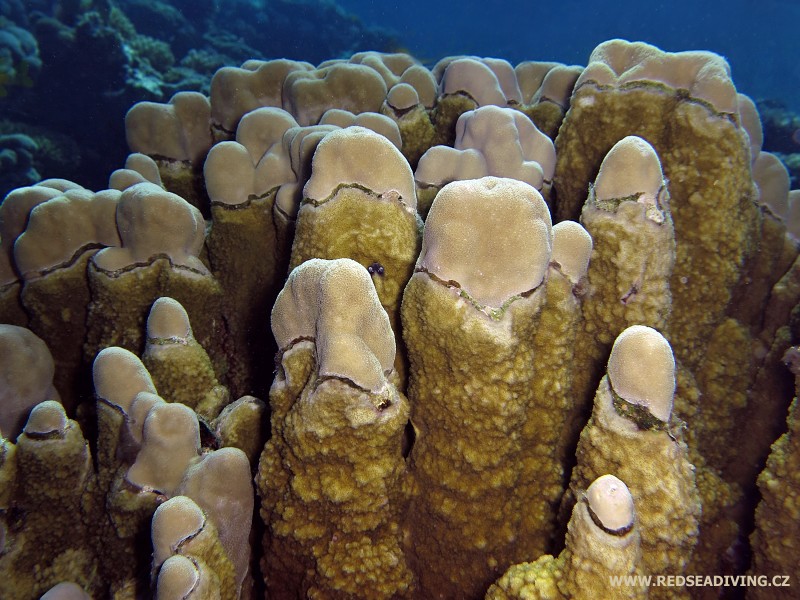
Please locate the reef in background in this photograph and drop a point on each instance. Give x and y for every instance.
(70, 70)
(782, 135)
(522, 329)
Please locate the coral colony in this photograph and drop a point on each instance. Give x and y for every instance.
(370, 330)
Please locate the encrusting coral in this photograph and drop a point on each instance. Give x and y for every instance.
(14, 212)
(388, 228)
(602, 543)
(360, 203)
(26, 377)
(332, 475)
(471, 315)
(147, 451)
(180, 528)
(179, 366)
(51, 465)
(162, 237)
(62, 235)
(177, 136)
(627, 216)
(775, 538)
(489, 141)
(632, 418)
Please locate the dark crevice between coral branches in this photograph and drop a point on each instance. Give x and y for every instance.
(409, 437)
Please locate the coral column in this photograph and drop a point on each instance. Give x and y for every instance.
(470, 315)
(332, 476)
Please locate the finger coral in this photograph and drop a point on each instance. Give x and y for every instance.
(631, 417)
(479, 330)
(331, 477)
(602, 544)
(471, 315)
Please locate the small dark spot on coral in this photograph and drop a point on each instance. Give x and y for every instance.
(376, 268)
(630, 295)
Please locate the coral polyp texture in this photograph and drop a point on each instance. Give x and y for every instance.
(602, 542)
(371, 330)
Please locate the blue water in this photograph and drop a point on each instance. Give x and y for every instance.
(760, 39)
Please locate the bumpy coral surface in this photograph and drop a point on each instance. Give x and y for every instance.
(521, 331)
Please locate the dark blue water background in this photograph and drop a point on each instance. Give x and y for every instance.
(760, 39)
